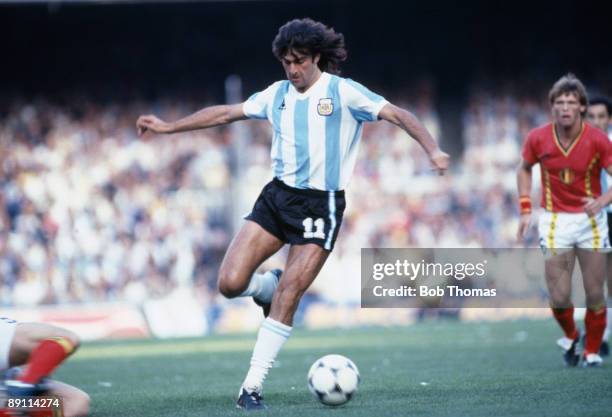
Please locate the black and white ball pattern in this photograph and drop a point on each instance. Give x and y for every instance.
(333, 379)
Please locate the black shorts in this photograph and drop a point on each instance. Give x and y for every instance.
(298, 216)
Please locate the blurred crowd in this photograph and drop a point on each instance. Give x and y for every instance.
(91, 212)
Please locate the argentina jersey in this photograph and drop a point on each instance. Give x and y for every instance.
(316, 133)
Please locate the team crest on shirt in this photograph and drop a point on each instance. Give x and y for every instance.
(567, 176)
(325, 107)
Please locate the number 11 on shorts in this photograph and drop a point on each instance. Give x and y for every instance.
(319, 226)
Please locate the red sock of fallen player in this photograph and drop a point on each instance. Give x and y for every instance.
(565, 318)
(45, 358)
(595, 323)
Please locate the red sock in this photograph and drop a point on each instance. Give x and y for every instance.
(565, 318)
(45, 358)
(595, 323)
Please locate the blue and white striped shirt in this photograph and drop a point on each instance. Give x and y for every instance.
(316, 133)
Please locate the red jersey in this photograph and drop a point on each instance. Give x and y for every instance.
(568, 175)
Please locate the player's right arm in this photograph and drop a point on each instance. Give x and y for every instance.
(207, 117)
(523, 182)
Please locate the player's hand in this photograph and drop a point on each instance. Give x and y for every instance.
(524, 223)
(592, 206)
(440, 161)
(153, 124)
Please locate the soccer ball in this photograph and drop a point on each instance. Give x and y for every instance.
(333, 379)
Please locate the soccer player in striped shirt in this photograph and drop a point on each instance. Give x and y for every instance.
(571, 154)
(317, 119)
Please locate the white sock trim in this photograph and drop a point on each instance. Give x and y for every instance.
(276, 327)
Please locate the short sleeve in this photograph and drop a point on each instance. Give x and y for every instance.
(363, 104)
(529, 153)
(256, 106)
(605, 146)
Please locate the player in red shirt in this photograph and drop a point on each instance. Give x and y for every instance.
(571, 154)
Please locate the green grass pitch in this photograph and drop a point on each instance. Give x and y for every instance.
(433, 369)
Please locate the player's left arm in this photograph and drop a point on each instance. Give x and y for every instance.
(413, 126)
(593, 206)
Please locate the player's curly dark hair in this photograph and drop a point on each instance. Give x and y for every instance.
(569, 84)
(309, 37)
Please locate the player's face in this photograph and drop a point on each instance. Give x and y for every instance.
(567, 110)
(301, 69)
(598, 115)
